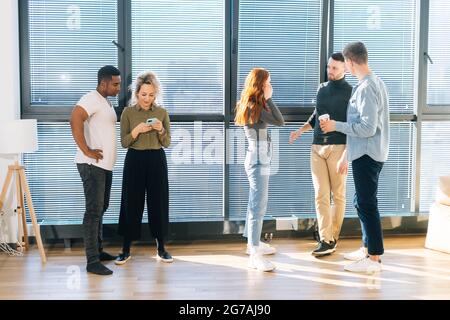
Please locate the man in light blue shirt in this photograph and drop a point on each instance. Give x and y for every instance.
(367, 130)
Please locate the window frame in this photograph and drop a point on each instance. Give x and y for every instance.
(422, 112)
(124, 64)
(55, 113)
(426, 109)
(293, 112)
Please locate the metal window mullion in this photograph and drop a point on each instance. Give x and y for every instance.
(326, 38)
(231, 8)
(421, 88)
(24, 35)
(124, 57)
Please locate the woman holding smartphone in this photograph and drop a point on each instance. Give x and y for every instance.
(255, 111)
(145, 131)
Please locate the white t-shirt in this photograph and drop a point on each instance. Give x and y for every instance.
(99, 130)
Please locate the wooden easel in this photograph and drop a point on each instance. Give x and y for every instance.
(22, 190)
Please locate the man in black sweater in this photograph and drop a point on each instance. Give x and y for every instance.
(328, 154)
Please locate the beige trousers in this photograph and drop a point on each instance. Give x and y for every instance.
(328, 182)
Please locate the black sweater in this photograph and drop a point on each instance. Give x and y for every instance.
(332, 98)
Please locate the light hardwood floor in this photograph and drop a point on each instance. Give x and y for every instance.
(211, 270)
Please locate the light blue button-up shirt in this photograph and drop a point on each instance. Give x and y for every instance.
(367, 126)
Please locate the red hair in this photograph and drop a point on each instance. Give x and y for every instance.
(248, 109)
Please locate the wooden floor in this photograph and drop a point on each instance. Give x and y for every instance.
(205, 270)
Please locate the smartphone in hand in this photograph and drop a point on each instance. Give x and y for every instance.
(151, 121)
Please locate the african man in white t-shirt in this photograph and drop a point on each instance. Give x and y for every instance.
(93, 123)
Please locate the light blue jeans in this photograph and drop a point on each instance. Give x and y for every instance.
(257, 167)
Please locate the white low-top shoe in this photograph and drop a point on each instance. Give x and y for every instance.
(265, 248)
(356, 255)
(364, 265)
(258, 262)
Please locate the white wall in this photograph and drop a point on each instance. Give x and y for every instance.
(9, 60)
(9, 93)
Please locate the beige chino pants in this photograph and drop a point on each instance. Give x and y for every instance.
(328, 183)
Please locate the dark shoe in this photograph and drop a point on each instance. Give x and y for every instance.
(122, 258)
(105, 256)
(164, 257)
(98, 268)
(334, 243)
(324, 248)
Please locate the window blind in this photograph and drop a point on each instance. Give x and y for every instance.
(387, 28)
(438, 89)
(284, 38)
(183, 43)
(195, 175)
(291, 191)
(69, 41)
(435, 160)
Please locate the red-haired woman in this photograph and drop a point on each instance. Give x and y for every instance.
(255, 111)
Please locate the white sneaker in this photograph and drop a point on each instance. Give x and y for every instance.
(266, 249)
(258, 262)
(364, 265)
(356, 255)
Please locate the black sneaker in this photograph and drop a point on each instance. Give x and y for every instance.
(334, 243)
(122, 258)
(98, 268)
(105, 256)
(324, 248)
(164, 257)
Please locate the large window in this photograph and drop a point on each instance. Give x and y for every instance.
(435, 160)
(202, 50)
(195, 163)
(183, 42)
(68, 42)
(283, 37)
(438, 89)
(378, 23)
(291, 190)
(195, 175)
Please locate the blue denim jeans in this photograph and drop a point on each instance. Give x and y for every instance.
(257, 167)
(366, 173)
